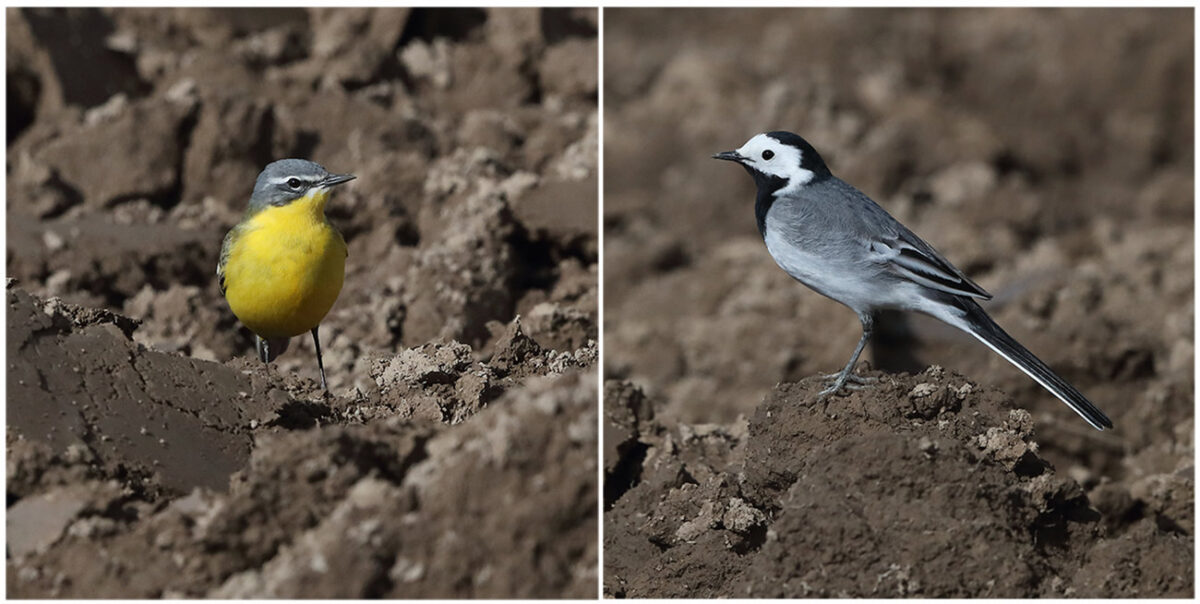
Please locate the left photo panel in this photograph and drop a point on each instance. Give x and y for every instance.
(302, 303)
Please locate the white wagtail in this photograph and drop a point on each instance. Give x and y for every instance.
(831, 237)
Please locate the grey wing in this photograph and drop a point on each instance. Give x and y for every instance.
(901, 251)
(226, 250)
(909, 256)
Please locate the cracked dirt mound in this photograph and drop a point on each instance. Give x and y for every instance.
(1047, 153)
(189, 478)
(455, 454)
(923, 486)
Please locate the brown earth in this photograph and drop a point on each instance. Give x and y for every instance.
(149, 453)
(926, 485)
(1049, 154)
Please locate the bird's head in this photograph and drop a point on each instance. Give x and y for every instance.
(288, 180)
(779, 161)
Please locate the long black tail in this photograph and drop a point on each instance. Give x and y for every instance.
(980, 325)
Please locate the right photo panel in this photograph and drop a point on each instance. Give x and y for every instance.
(898, 303)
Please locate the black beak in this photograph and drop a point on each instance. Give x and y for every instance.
(729, 156)
(336, 179)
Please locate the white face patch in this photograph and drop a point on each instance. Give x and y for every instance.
(772, 157)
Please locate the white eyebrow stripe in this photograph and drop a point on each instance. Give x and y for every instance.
(308, 180)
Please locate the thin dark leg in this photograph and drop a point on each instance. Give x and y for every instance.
(847, 372)
(270, 349)
(317, 343)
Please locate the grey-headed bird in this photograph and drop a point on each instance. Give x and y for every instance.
(281, 267)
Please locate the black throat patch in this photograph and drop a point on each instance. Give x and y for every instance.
(767, 185)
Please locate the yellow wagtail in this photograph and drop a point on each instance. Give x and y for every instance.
(282, 266)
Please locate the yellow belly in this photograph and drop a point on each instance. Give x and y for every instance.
(285, 271)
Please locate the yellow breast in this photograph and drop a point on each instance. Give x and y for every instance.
(285, 269)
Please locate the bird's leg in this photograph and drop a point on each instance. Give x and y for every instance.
(847, 373)
(270, 349)
(320, 365)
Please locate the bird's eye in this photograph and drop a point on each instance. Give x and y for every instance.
(294, 183)
(768, 154)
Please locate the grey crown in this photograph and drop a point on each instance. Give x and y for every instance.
(272, 187)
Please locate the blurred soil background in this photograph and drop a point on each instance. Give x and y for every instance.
(149, 453)
(1049, 154)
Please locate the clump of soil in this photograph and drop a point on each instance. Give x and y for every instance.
(151, 455)
(925, 485)
(1047, 153)
(191, 478)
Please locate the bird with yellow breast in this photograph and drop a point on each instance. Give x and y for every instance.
(282, 266)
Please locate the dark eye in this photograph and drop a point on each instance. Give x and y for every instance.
(768, 154)
(294, 183)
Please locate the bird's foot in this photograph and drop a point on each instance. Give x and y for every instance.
(852, 378)
(846, 381)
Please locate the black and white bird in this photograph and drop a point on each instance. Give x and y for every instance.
(831, 237)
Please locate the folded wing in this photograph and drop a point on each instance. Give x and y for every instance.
(907, 255)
